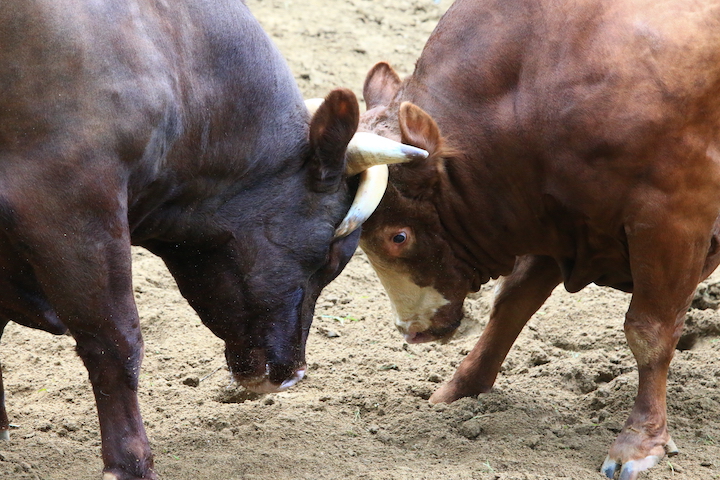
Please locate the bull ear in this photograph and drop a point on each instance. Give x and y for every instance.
(331, 129)
(418, 129)
(381, 85)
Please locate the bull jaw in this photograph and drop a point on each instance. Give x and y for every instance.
(413, 306)
(418, 337)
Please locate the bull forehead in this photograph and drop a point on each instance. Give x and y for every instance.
(414, 306)
(377, 120)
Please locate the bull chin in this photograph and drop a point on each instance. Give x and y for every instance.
(440, 335)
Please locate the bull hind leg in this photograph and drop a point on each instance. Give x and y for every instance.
(517, 298)
(47, 322)
(22, 301)
(667, 261)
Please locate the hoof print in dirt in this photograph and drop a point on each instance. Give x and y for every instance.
(237, 395)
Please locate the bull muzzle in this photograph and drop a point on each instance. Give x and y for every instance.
(369, 155)
(255, 370)
(265, 384)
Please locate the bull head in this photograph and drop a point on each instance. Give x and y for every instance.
(368, 154)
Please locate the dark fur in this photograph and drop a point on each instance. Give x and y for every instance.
(178, 128)
(589, 144)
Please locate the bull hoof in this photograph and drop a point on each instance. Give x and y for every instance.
(447, 393)
(630, 469)
(4, 434)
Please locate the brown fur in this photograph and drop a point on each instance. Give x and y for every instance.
(587, 136)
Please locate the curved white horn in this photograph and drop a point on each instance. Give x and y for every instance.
(368, 154)
(368, 149)
(373, 182)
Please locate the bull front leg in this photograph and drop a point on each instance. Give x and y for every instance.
(644, 439)
(109, 342)
(83, 264)
(517, 297)
(107, 332)
(113, 362)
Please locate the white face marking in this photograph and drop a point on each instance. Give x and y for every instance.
(109, 476)
(413, 306)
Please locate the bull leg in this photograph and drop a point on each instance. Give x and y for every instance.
(667, 262)
(83, 265)
(517, 298)
(106, 328)
(4, 421)
(111, 347)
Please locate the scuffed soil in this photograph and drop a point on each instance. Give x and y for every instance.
(362, 413)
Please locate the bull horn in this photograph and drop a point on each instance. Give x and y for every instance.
(368, 149)
(373, 182)
(368, 154)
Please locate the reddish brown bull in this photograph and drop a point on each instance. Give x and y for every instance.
(176, 126)
(574, 142)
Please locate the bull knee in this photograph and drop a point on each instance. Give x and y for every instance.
(112, 360)
(650, 340)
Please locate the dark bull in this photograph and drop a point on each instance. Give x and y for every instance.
(177, 127)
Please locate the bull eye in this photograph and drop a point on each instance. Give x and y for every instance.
(399, 238)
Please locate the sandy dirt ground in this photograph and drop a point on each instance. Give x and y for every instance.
(362, 413)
